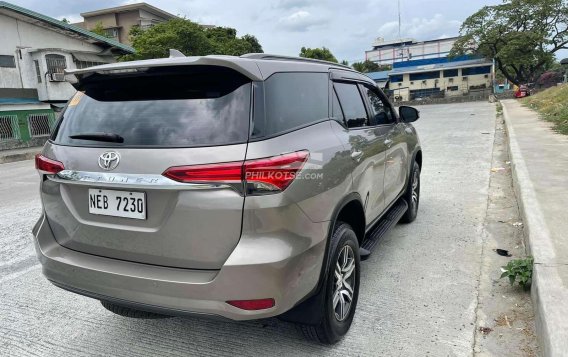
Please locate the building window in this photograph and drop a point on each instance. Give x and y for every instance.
(396, 78)
(450, 73)
(9, 128)
(112, 32)
(452, 88)
(85, 64)
(424, 75)
(7, 61)
(40, 124)
(38, 72)
(476, 70)
(55, 63)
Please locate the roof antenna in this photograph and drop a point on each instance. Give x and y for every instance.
(175, 53)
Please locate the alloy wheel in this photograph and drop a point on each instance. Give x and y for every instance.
(415, 192)
(344, 283)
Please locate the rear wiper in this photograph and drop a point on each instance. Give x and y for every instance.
(106, 137)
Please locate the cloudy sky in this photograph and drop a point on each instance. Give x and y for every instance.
(283, 26)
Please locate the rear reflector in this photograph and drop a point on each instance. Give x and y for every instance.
(266, 175)
(47, 166)
(260, 304)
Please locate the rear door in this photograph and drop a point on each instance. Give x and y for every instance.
(385, 121)
(365, 140)
(119, 139)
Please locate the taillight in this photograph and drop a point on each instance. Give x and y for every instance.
(259, 304)
(273, 174)
(47, 166)
(230, 172)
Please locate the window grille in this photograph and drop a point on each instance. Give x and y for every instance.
(9, 128)
(40, 124)
(55, 63)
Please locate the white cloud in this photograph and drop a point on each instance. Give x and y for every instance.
(300, 21)
(421, 28)
(74, 18)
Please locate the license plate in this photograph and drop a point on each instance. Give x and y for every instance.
(117, 203)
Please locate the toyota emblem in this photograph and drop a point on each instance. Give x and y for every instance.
(109, 160)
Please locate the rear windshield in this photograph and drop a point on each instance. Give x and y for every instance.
(184, 106)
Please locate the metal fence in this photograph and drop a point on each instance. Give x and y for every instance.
(9, 128)
(40, 124)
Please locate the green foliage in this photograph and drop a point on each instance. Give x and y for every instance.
(65, 20)
(345, 63)
(369, 66)
(318, 53)
(552, 105)
(519, 270)
(99, 29)
(521, 35)
(190, 38)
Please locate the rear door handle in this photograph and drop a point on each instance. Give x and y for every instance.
(388, 143)
(356, 155)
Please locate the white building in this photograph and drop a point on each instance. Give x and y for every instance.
(407, 49)
(34, 51)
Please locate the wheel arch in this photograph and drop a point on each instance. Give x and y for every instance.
(347, 208)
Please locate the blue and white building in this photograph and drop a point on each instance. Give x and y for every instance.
(423, 69)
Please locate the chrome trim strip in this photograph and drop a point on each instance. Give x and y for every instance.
(105, 179)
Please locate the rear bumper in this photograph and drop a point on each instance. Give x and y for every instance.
(258, 268)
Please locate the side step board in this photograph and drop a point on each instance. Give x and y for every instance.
(390, 219)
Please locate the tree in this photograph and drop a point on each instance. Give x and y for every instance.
(99, 29)
(345, 63)
(65, 20)
(255, 46)
(369, 66)
(190, 38)
(521, 35)
(318, 53)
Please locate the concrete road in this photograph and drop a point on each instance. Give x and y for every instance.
(419, 292)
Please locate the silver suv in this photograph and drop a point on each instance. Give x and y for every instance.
(241, 187)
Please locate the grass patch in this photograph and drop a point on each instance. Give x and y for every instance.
(552, 104)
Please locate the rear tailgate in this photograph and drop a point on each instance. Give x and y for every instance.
(112, 199)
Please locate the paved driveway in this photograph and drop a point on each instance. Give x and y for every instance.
(418, 293)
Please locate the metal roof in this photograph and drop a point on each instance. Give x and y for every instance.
(440, 66)
(378, 76)
(65, 26)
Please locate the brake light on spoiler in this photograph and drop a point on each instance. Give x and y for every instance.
(267, 175)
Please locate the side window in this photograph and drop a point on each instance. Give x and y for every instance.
(337, 112)
(293, 100)
(352, 104)
(380, 111)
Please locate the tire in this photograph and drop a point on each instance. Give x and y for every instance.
(412, 195)
(132, 313)
(334, 322)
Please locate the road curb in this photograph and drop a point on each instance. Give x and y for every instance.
(4, 159)
(551, 312)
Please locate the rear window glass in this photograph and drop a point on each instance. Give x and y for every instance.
(293, 100)
(183, 106)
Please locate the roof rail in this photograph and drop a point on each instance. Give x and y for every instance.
(266, 56)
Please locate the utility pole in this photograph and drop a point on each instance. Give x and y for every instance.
(399, 26)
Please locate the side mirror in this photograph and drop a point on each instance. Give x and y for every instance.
(408, 114)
